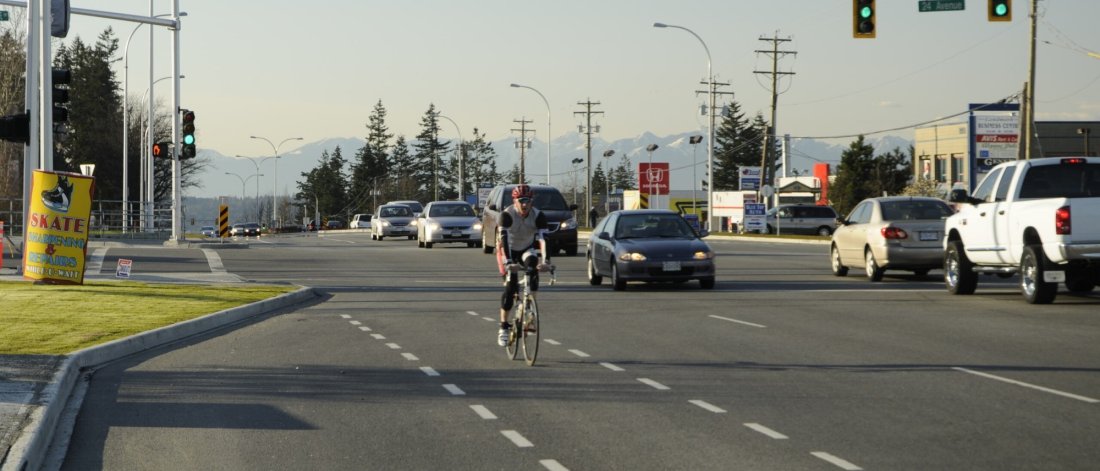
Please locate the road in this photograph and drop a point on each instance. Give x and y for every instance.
(781, 366)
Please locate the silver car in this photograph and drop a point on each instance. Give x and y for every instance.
(891, 233)
(448, 221)
(393, 220)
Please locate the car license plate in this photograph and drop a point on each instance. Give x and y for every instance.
(456, 233)
(929, 235)
(670, 266)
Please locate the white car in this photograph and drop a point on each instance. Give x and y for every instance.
(448, 222)
(393, 220)
(360, 221)
(208, 231)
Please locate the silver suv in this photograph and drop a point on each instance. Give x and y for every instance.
(801, 219)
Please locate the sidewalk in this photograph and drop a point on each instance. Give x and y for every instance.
(35, 389)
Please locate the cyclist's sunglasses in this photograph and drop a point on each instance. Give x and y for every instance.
(524, 200)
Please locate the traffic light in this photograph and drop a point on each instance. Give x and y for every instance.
(863, 19)
(16, 128)
(61, 79)
(162, 150)
(188, 150)
(1000, 10)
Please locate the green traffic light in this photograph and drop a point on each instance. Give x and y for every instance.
(865, 12)
(1000, 9)
(189, 139)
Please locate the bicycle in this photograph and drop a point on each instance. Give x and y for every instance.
(525, 318)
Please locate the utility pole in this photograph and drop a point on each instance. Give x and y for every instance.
(767, 163)
(587, 129)
(1029, 100)
(523, 144)
(711, 110)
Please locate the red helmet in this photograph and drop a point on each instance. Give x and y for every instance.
(521, 191)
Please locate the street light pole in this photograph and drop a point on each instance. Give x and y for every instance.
(148, 189)
(575, 163)
(607, 181)
(694, 141)
(548, 137)
(649, 173)
(461, 161)
(710, 130)
(275, 176)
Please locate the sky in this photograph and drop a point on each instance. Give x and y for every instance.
(280, 69)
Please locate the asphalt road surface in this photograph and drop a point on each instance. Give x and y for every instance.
(781, 366)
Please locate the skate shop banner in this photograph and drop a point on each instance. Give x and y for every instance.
(57, 229)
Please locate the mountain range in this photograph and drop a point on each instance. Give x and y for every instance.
(233, 176)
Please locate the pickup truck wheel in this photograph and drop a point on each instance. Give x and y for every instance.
(1079, 280)
(874, 272)
(958, 270)
(838, 269)
(1032, 268)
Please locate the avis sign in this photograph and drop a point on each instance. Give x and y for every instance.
(653, 178)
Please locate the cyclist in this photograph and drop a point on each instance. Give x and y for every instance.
(522, 230)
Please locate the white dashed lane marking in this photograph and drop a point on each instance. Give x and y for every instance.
(553, 465)
(750, 324)
(472, 313)
(516, 438)
(708, 406)
(454, 390)
(653, 384)
(355, 323)
(410, 357)
(579, 353)
(835, 461)
(394, 346)
(378, 336)
(611, 366)
(345, 316)
(364, 328)
(766, 431)
(429, 371)
(552, 341)
(483, 412)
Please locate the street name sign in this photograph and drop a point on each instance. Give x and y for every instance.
(941, 5)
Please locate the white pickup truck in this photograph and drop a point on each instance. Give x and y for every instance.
(1039, 218)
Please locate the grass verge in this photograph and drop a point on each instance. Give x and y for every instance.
(60, 319)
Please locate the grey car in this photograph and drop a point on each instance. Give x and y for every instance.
(648, 245)
(393, 220)
(801, 219)
(448, 222)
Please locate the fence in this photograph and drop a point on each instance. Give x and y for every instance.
(108, 219)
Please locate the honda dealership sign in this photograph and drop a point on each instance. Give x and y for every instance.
(653, 178)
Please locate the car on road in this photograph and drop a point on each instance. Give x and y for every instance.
(650, 245)
(360, 221)
(891, 233)
(560, 217)
(416, 207)
(800, 219)
(393, 220)
(208, 231)
(245, 229)
(448, 222)
(332, 224)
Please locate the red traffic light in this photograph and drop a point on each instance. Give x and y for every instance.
(160, 150)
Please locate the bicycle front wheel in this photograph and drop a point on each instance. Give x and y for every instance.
(530, 330)
(514, 334)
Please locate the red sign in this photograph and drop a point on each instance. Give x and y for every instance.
(653, 178)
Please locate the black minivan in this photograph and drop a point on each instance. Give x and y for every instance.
(560, 216)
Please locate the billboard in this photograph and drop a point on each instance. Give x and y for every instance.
(653, 178)
(57, 229)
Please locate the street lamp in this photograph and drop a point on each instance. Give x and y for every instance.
(548, 139)
(710, 130)
(275, 176)
(148, 189)
(1085, 132)
(607, 181)
(461, 161)
(649, 173)
(125, 122)
(694, 141)
(243, 181)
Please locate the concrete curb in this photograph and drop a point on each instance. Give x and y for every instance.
(29, 451)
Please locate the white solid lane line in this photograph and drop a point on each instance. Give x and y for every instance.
(516, 438)
(838, 462)
(483, 412)
(553, 465)
(611, 366)
(429, 371)
(653, 384)
(750, 324)
(708, 406)
(578, 353)
(410, 357)
(454, 390)
(1028, 385)
(766, 431)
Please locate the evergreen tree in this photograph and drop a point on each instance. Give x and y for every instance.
(13, 61)
(850, 187)
(737, 144)
(371, 166)
(481, 162)
(429, 154)
(623, 176)
(325, 185)
(402, 172)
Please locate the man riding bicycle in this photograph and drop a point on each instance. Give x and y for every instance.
(521, 227)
